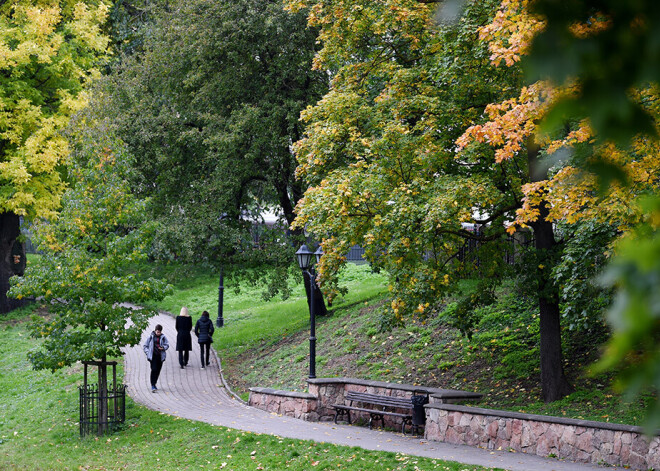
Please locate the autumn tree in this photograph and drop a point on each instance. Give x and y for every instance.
(605, 153)
(85, 275)
(48, 53)
(616, 67)
(420, 139)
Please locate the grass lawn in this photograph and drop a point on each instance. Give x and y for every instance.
(39, 430)
(266, 344)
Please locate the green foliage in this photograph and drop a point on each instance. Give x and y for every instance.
(635, 313)
(83, 276)
(379, 149)
(463, 314)
(211, 122)
(584, 256)
(42, 76)
(618, 73)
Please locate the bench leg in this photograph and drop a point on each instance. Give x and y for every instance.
(373, 416)
(342, 412)
(405, 422)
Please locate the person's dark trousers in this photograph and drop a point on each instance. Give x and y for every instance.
(207, 346)
(183, 357)
(156, 366)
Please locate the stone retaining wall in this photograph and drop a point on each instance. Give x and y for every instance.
(291, 404)
(576, 440)
(324, 392)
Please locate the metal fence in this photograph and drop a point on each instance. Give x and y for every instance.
(91, 405)
(356, 255)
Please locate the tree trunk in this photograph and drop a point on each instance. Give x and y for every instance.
(554, 384)
(319, 304)
(103, 397)
(12, 258)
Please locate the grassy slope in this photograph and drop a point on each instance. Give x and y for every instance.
(39, 431)
(266, 344)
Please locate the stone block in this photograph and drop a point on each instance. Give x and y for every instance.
(542, 447)
(637, 461)
(453, 437)
(505, 428)
(585, 442)
(492, 429)
(552, 435)
(606, 448)
(640, 445)
(616, 442)
(454, 418)
(465, 420)
(567, 449)
(516, 427)
(526, 437)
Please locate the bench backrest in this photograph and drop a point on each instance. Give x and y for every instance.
(376, 399)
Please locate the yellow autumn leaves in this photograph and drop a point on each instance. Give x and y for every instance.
(47, 51)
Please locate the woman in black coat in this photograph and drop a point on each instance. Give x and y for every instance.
(183, 326)
(204, 331)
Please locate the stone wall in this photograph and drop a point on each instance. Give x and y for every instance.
(576, 440)
(291, 404)
(324, 392)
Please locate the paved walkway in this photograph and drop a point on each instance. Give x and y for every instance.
(197, 394)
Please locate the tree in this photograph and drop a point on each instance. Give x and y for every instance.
(617, 67)
(372, 152)
(85, 274)
(47, 55)
(608, 127)
(380, 152)
(212, 121)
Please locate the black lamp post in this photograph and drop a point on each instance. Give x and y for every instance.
(306, 263)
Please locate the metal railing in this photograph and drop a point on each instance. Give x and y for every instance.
(92, 400)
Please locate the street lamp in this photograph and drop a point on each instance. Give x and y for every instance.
(306, 263)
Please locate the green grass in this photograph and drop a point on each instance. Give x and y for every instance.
(266, 344)
(39, 431)
(248, 319)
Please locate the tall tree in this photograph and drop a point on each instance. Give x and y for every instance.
(608, 156)
(615, 56)
(214, 118)
(390, 169)
(212, 122)
(48, 53)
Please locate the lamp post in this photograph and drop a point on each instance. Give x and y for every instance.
(306, 263)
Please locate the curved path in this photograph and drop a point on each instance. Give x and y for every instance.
(197, 394)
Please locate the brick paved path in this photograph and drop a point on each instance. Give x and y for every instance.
(198, 394)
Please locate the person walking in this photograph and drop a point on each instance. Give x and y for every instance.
(155, 349)
(183, 325)
(204, 331)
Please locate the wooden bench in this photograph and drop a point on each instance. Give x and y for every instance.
(380, 406)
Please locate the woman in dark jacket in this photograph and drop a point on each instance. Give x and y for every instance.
(204, 331)
(183, 326)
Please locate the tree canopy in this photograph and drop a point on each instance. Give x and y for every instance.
(86, 271)
(422, 137)
(48, 52)
(212, 120)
